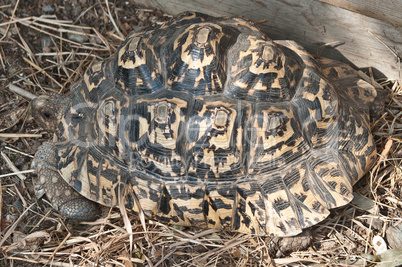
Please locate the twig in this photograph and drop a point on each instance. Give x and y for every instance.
(25, 46)
(21, 91)
(8, 27)
(56, 36)
(383, 155)
(11, 165)
(17, 151)
(35, 66)
(2, 55)
(16, 173)
(19, 135)
(112, 20)
(398, 58)
(85, 11)
(12, 228)
(387, 46)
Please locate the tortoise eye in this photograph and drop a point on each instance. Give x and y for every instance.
(47, 115)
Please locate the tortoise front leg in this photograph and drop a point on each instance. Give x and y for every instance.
(68, 202)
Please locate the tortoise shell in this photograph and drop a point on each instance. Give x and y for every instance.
(206, 121)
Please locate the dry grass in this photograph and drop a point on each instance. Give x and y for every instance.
(32, 234)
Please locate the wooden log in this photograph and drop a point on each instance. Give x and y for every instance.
(364, 33)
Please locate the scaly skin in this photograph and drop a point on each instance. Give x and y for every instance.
(68, 202)
(63, 197)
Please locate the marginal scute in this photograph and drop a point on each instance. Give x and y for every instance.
(220, 199)
(183, 204)
(131, 56)
(94, 76)
(207, 122)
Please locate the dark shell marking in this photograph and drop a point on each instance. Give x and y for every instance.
(206, 121)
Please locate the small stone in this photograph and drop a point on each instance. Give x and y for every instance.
(142, 16)
(47, 9)
(18, 204)
(79, 38)
(19, 162)
(95, 40)
(76, 11)
(10, 70)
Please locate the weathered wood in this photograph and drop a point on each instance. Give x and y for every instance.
(337, 29)
(388, 11)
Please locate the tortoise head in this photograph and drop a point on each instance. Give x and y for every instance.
(48, 110)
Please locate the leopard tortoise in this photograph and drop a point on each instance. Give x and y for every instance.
(205, 121)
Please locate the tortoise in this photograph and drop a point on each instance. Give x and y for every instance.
(205, 121)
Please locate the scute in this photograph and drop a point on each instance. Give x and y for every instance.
(158, 145)
(216, 153)
(205, 121)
